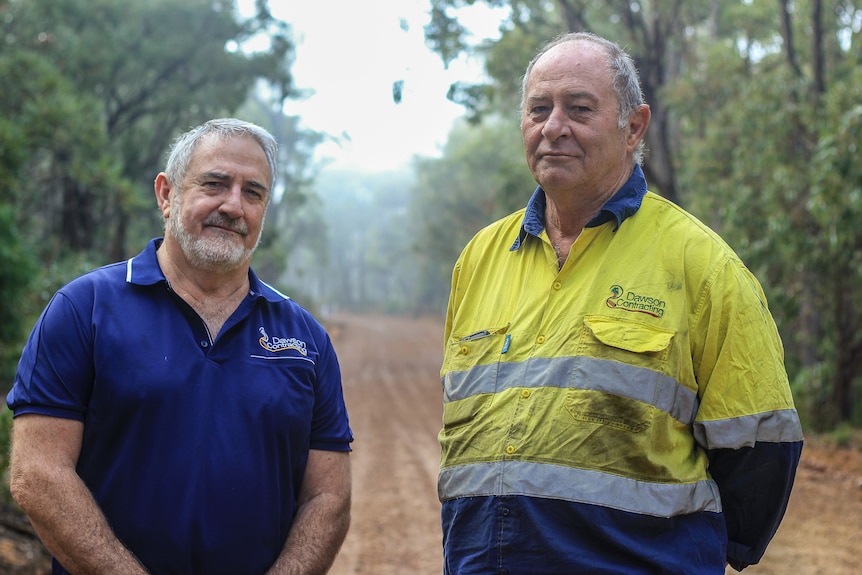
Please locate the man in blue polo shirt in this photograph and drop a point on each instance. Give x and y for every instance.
(174, 413)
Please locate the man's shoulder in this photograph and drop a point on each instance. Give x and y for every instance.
(504, 230)
(677, 221)
(282, 308)
(110, 274)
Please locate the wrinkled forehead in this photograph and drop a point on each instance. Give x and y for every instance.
(580, 66)
(574, 57)
(240, 153)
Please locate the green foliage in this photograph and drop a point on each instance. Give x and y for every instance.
(845, 436)
(5, 444)
(114, 82)
(480, 177)
(16, 270)
(56, 155)
(28, 297)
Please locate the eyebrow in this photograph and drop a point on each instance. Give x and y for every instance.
(578, 95)
(221, 176)
(582, 95)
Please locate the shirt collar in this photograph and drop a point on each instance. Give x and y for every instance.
(622, 205)
(143, 269)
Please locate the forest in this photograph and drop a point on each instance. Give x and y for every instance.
(756, 120)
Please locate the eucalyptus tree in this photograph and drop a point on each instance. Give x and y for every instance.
(48, 133)
(152, 69)
(771, 161)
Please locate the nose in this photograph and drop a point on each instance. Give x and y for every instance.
(232, 204)
(557, 125)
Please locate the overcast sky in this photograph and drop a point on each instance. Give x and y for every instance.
(350, 52)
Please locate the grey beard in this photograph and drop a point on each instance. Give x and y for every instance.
(219, 254)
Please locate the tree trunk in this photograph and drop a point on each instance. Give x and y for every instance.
(848, 360)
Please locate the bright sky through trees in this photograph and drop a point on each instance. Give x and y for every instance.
(350, 52)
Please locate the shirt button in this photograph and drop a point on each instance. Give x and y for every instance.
(540, 340)
(204, 343)
(510, 450)
(525, 393)
(558, 285)
(504, 511)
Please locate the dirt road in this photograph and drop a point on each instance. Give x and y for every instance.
(393, 395)
(390, 368)
(392, 388)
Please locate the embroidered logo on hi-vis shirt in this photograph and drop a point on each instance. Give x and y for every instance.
(277, 344)
(635, 302)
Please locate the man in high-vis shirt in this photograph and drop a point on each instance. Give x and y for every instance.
(615, 398)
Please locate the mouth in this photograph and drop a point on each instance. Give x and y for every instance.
(238, 229)
(552, 156)
(552, 153)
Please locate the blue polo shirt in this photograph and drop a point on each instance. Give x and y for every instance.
(195, 451)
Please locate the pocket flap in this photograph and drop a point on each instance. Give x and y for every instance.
(630, 336)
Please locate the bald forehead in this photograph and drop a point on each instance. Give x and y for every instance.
(580, 52)
(575, 62)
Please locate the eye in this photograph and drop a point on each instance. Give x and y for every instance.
(539, 111)
(254, 193)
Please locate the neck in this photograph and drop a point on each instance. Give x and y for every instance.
(199, 283)
(214, 296)
(567, 212)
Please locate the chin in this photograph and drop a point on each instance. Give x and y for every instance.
(219, 256)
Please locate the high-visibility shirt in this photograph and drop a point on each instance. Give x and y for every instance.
(586, 409)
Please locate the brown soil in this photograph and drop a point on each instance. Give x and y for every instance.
(390, 367)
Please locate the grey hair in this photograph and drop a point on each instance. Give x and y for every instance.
(183, 147)
(625, 77)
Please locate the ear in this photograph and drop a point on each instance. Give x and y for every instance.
(637, 126)
(164, 192)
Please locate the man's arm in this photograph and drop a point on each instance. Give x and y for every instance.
(755, 485)
(322, 518)
(61, 509)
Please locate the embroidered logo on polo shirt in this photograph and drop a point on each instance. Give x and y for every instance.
(635, 302)
(277, 344)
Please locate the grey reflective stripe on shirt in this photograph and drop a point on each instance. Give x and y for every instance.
(781, 426)
(577, 372)
(578, 486)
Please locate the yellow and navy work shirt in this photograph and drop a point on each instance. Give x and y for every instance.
(628, 413)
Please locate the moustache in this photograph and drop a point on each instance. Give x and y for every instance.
(235, 225)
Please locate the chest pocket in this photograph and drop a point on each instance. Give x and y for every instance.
(611, 420)
(630, 342)
(470, 368)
